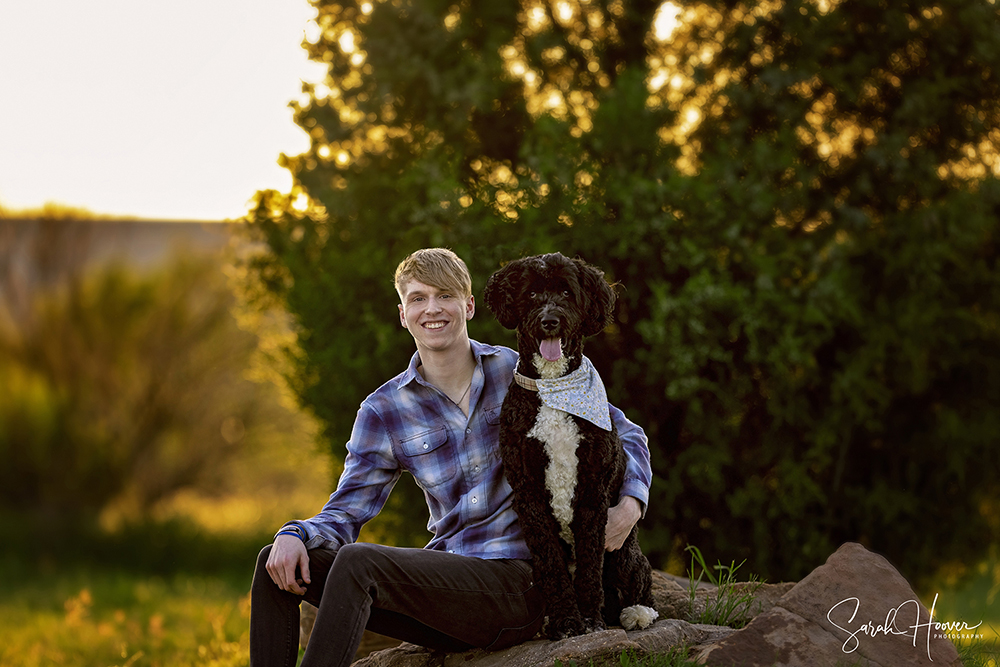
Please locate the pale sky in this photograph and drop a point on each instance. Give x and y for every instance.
(159, 110)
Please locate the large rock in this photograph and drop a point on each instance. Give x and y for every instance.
(671, 598)
(795, 625)
(856, 609)
(658, 638)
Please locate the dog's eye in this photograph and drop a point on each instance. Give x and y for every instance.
(531, 295)
(566, 293)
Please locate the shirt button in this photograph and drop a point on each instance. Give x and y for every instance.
(476, 469)
(468, 430)
(426, 446)
(474, 500)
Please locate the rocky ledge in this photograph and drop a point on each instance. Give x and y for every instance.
(856, 609)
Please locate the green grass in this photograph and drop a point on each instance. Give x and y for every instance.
(156, 595)
(970, 596)
(731, 606)
(98, 618)
(983, 652)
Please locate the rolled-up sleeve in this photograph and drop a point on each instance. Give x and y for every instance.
(370, 472)
(638, 473)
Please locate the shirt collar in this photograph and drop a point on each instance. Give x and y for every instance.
(479, 350)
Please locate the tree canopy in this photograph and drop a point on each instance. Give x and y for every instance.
(799, 200)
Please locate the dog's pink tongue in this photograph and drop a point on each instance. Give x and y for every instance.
(551, 349)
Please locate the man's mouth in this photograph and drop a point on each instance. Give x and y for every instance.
(551, 349)
(434, 325)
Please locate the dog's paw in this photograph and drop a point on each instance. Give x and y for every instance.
(563, 628)
(593, 625)
(638, 617)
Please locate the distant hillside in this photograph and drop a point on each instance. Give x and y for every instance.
(139, 243)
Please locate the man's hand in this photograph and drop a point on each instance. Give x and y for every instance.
(621, 518)
(288, 553)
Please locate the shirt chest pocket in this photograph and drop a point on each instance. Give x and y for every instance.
(492, 415)
(428, 457)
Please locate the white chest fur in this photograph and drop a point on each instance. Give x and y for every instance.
(557, 431)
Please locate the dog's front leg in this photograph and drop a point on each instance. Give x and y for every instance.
(532, 502)
(550, 563)
(589, 528)
(551, 569)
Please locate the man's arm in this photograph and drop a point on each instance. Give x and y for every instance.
(634, 494)
(370, 472)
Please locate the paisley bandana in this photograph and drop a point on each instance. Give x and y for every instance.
(581, 393)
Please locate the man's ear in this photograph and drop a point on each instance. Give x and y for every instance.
(402, 316)
(470, 307)
(500, 291)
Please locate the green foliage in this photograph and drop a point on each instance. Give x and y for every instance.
(118, 389)
(730, 605)
(809, 321)
(837, 329)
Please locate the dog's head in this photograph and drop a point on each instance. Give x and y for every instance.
(553, 302)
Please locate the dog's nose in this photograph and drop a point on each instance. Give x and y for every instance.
(549, 322)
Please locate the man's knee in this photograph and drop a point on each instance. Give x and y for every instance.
(261, 577)
(364, 566)
(262, 558)
(357, 558)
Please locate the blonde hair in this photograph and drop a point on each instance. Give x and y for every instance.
(437, 267)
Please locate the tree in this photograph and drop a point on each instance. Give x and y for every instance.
(839, 294)
(799, 201)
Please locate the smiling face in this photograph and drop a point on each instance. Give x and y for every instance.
(436, 317)
(553, 302)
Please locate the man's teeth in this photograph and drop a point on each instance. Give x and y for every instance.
(434, 325)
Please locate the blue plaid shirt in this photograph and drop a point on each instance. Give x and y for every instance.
(408, 425)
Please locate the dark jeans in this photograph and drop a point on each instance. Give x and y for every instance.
(439, 600)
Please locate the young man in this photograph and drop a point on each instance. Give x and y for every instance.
(471, 586)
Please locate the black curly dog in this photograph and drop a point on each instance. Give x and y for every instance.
(564, 470)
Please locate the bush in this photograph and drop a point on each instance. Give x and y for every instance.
(120, 389)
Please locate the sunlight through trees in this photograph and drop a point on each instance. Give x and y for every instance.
(800, 199)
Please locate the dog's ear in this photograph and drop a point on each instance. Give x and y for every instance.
(501, 290)
(600, 296)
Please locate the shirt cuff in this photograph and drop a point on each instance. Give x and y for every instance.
(294, 527)
(638, 490)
